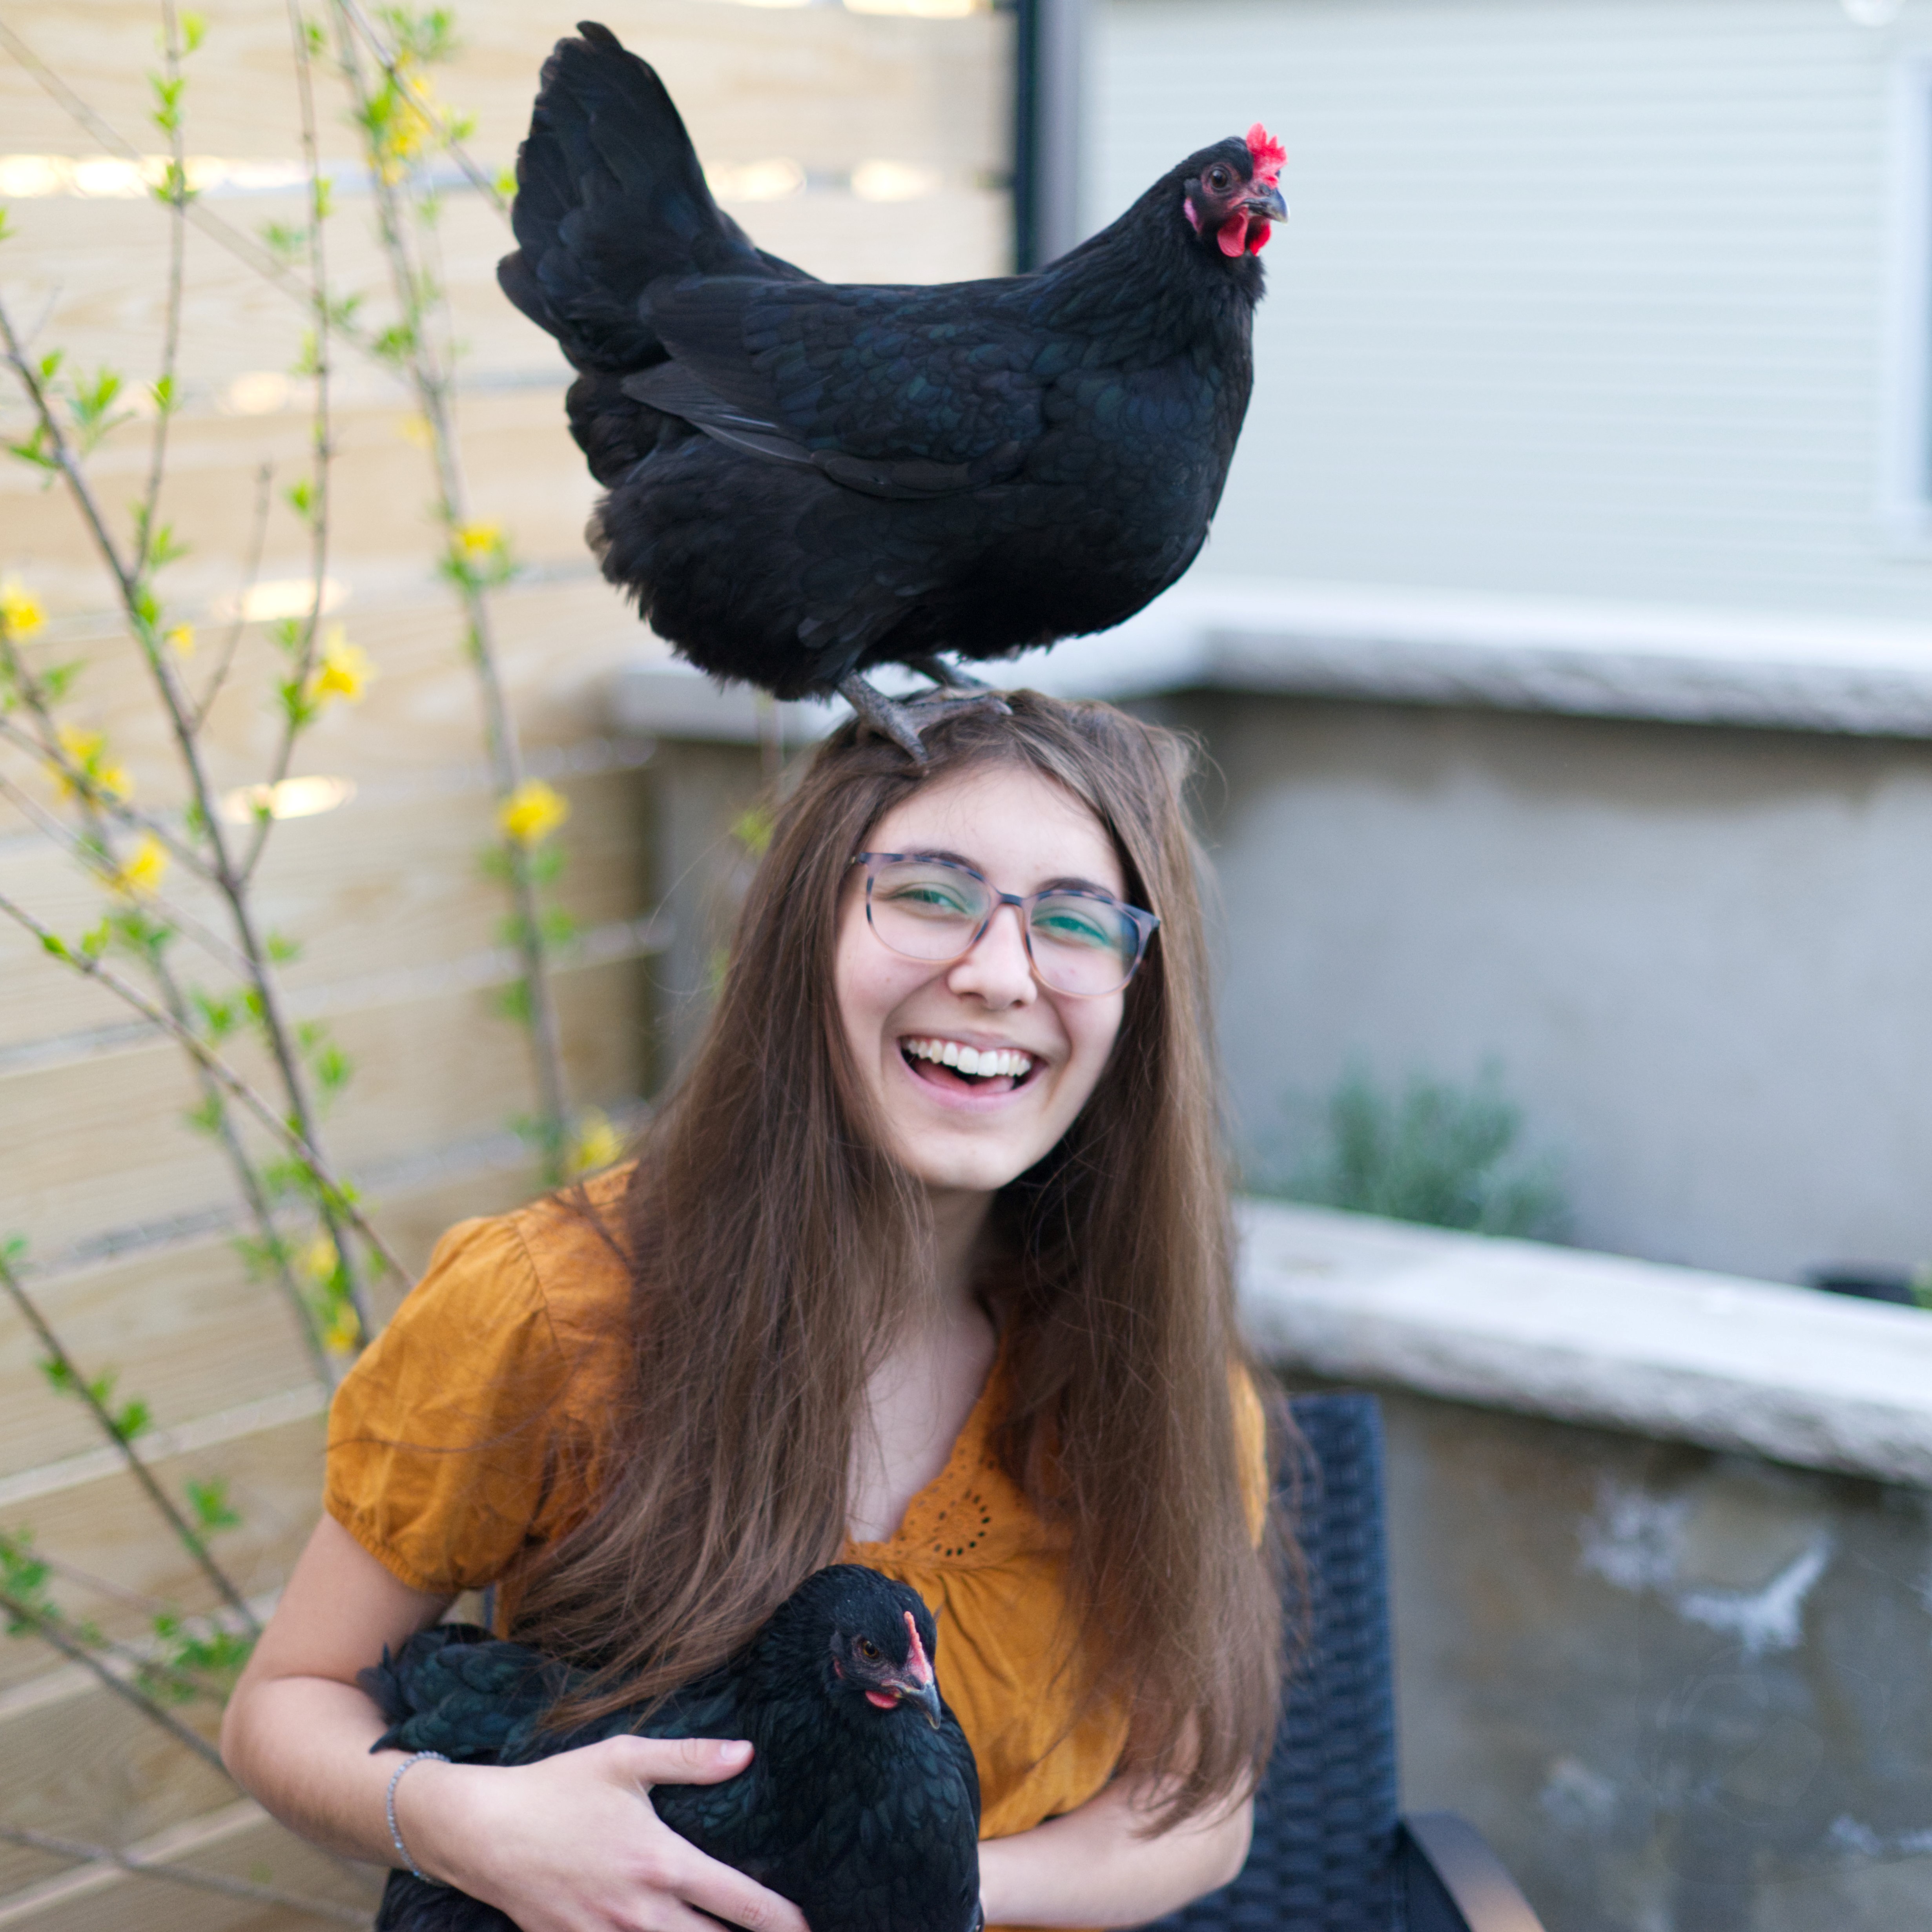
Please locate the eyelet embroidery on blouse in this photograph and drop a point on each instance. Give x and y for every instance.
(972, 1505)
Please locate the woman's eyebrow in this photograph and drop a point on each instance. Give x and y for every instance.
(1068, 882)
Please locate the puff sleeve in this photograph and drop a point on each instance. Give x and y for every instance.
(442, 1439)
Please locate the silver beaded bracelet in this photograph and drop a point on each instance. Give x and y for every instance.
(389, 1808)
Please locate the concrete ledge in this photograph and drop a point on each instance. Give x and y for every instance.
(1411, 647)
(1799, 1377)
(1508, 653)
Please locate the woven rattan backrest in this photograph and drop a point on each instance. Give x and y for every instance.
(1323, 1854)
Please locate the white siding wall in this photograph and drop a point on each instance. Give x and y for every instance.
(1582, 297)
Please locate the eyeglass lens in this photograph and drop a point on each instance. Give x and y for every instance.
(925, 909)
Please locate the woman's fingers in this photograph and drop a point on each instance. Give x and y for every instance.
(730, 1895)
(678, 1760)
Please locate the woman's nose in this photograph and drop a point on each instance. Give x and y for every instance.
(997, 971)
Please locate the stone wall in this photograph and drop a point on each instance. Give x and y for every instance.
(1679, 1690)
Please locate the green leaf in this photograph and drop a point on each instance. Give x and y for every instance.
(57, 680)
(205, 1116)
(282, 241)
(283, 950)
(209, 1501)
(193, 30)
(131, 1420)
(332, 1068)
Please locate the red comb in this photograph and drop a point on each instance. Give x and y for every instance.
(915, 1658)
(1266, 151)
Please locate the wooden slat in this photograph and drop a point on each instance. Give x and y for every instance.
(107, 1528)
(408, 869)
(77, 1761)
(240, 1840)
(191, 1333)
(427, 1073)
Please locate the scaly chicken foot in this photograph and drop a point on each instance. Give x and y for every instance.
(903, 720)
(948, 677)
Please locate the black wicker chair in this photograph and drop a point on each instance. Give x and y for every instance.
(1332, 1852)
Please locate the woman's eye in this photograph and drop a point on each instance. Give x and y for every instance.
(1071, 928)
(928, 899)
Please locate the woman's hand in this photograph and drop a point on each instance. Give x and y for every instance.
(571, 1844)
(568, 1845)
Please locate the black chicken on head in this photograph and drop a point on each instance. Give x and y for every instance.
(807, 479)
(861, 1803)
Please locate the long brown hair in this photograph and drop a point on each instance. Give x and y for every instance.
(774, 1247)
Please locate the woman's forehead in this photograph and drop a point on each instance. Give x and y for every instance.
(1018, 827)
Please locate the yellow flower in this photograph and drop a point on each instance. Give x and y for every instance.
(476, 543)
(532, 812)
(344, 1330)
(596, 1143)
(142, 874)
(20, 612)
(343, 670)
(89, 750)
(318, 1260)
(180, 639)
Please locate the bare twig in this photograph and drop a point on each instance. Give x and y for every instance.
(176, 196)
(323, 447)
(48, 1630)
(445, 137)
(94, 802)
(235, 240)
(187, 1875)
(265, 478)
(102, 865)
(45, 748)
(433, 382)
(137, 605)
(189, 1536)
(343, 1202)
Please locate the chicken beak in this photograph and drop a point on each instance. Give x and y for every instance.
(1265, 204)
(925, 1696)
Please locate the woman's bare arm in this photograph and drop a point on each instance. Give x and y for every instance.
(568, 1845)
(1093, 1866)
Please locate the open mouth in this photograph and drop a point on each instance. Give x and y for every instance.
(950, 1064)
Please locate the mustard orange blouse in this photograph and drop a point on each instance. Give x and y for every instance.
(469, 1434)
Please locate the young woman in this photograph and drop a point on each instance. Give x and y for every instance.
(925, 1266)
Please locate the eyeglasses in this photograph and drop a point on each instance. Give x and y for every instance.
(1078, 940)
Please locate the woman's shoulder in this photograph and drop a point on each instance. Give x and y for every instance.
(558, 1260)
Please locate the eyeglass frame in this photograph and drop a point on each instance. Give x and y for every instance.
(1145, 924)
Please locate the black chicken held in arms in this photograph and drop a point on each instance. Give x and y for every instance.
(861, 1804)
(807, 479)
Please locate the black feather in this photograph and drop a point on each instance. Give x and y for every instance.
(807, 479)
(867, 1818)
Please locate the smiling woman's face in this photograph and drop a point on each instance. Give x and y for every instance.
(1020, 831)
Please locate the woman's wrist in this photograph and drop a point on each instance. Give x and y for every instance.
(429, 1807)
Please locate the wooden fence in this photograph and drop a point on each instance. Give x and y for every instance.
(864, 144)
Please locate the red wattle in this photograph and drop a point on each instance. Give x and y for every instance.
(1231, 237)
(1258, 237)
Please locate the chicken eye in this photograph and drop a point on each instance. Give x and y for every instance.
(869, 1650)
(1218, 177)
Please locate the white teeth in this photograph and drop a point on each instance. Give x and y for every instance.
(986, 1063)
